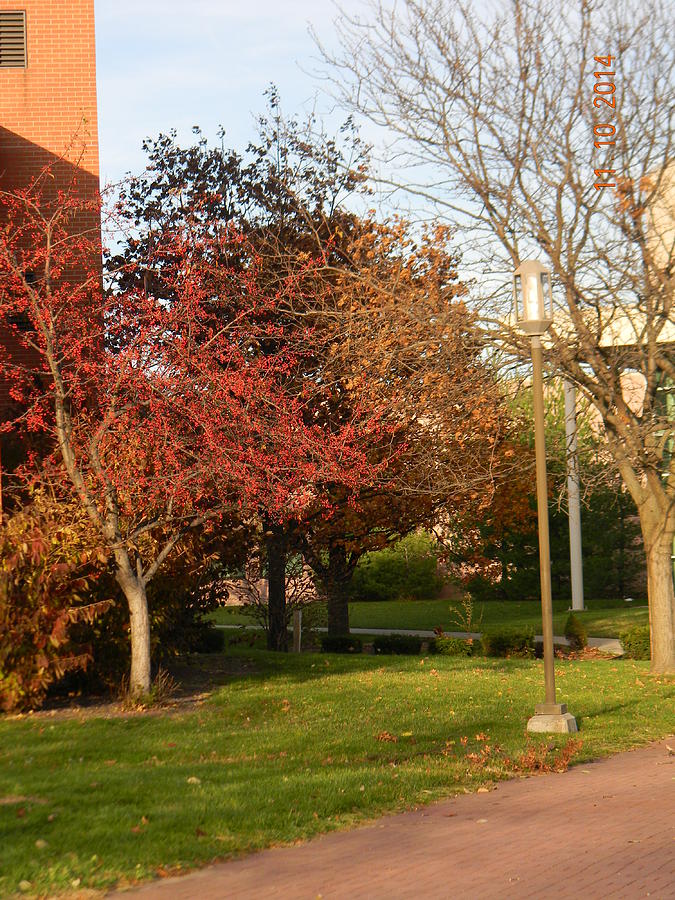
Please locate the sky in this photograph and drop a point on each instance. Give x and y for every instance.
(166, 64)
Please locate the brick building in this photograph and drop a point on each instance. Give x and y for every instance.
(48, 112)
(48, 90)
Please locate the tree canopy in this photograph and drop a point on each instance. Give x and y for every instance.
(503, 117)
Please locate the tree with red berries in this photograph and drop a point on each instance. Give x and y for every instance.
(163, 413)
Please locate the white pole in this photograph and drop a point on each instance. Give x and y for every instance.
(573, 496)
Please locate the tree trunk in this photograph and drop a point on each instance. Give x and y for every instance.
(658, 541)
(338, 609)
(139, 622)
(276, 544)
(336, 581)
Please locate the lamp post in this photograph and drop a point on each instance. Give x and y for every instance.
(534, 313)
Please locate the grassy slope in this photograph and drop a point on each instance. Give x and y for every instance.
(283, 754)
(603, 618)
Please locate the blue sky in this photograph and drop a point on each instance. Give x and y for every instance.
(172, 63)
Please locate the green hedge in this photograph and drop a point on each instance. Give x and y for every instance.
(636, 642)
(450, 646)
(341, 643)
(397, 644)
(509, 643)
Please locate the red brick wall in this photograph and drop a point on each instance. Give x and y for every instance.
(51, 104)
(48, 114)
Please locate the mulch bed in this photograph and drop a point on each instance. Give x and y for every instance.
(195, 678)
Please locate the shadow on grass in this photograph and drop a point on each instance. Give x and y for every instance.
(264, 665)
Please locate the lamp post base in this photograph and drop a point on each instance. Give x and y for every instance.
(552, 718)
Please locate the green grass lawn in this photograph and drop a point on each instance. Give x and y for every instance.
(289, 747)
(603, 618)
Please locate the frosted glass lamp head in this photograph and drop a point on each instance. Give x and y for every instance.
(532, 297)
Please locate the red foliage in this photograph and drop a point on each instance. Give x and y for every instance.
(45, 574)
(167, 399)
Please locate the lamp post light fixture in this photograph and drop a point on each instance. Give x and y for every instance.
(533, 302)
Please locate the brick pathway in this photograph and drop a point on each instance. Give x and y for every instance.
(601, 830)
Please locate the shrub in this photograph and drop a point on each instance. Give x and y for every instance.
(302, 594)
(450, 646)
(210, 640)
(575, 632)
(180, 596)
(405, 571)
(463, 615)
(397, 643)
(340, 643)
(509, 643)
(46, 569)
(636, 643)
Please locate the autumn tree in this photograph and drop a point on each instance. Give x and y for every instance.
(503, 115)
(286, 194)
(397, 344)
(163, 415)
(409, 348)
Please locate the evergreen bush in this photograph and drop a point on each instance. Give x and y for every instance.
(575, 632)
(401, 644)
(509, 643)
(340, 643)
(450, 646)
(636, 643)
(405, 571)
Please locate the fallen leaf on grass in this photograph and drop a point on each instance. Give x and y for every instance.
(194, 780)
(386, 736)
(200, 832)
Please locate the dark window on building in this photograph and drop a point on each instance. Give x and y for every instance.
(12, 39)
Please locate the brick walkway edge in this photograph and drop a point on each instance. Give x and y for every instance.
(600, 830)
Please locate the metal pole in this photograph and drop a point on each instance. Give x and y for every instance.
(297, 630)
(573, 496)
(542, 513)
